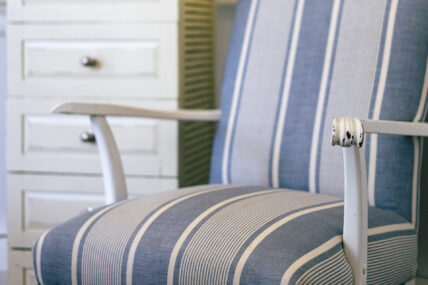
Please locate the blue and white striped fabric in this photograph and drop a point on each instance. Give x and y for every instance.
(293, 65)
(221, 234)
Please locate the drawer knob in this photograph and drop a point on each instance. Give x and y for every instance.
(87, 137)
(89, 61)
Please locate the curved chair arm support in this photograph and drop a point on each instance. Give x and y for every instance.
(96, 109)
(348, 132)
(111, 163)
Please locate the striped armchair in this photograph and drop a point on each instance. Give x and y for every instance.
(275, 211)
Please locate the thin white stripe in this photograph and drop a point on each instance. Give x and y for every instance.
(286, 93)
(389, 228)
(39, 257)
(415, 178)
(142, 230)
(78, 238)
(323, 266)
(195, 222)
(334, 241)
(269, 230)
(238, 83)
(423, 95)
(309, 256)
(389, 256)
(395, 269)
(344, 273)
(379, 98)
(391, 242)
(339, 266)
(403, 245)
(416, 170)
(199, 264)
(322, 94)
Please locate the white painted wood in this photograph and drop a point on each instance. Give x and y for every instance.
(395, 128)
(42, 142)
(144, 59)
(111, 163)
(136, 61)
(114, 58)
(92, 10)
(347, 132)
(21, 268)
(355, 213)
(381, 127)
(45, 133)
(38, 202)
(80, 108)
(355, 217)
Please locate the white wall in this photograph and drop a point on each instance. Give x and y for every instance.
(2, 117)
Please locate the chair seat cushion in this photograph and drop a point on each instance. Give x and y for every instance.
(221, 234)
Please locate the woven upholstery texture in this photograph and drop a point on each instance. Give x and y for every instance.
(294, 65)
(273, 213)
(221, 234)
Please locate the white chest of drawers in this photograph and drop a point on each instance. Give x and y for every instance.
(157, 53)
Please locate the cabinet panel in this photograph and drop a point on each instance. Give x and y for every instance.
(93, 61)
(92, 10)
(43, 142)
(98, 59)
(38, 202)
(63, 133)
(20, 269)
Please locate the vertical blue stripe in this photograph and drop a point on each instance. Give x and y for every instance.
(82, 244)
(58, 254)
(395, 154)
(154, 249)
(281, 91)
(302, 103)
(232, 63)
(256, 13)
(318, 158)
(367, 138)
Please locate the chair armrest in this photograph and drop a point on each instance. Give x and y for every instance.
(111, 163)
(348, 132)
(96, 109)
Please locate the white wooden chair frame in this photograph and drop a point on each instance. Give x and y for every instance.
(347, 132)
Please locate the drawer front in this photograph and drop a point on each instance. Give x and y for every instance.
(43, 142)
(38, 202)
(93, 10)
(129, 61)
(90, 59)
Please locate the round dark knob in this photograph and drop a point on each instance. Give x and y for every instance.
(89, 61)
(87, 137)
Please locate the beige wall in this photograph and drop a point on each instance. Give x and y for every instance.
(225, 16)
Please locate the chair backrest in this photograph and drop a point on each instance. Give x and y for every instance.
(293, 65)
